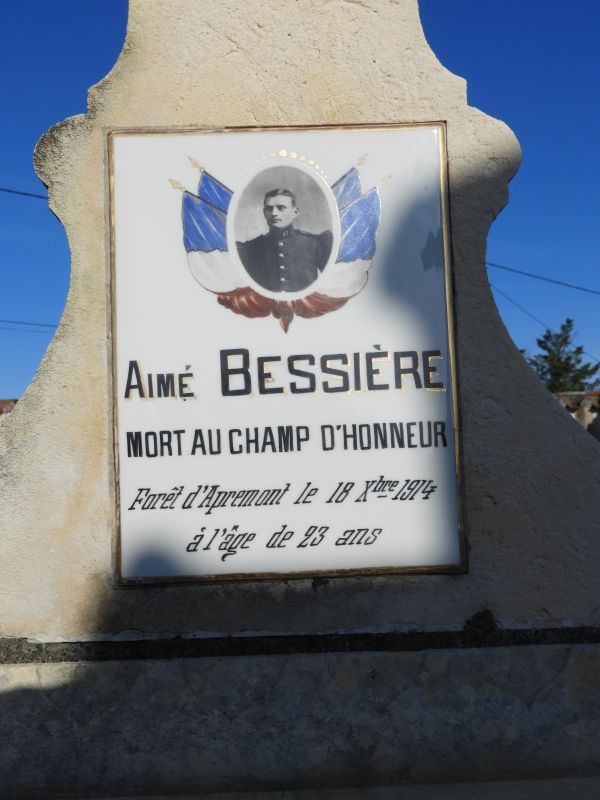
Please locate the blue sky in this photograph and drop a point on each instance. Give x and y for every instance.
(533, 63)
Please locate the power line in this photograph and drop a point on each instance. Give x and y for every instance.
(529, 314)
(542, 278)
(524, 310)
(23, 322)
(21, 330)
(23, 194)
(489, 263)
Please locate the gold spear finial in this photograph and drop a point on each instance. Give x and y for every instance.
(176, 185)
(196, 164)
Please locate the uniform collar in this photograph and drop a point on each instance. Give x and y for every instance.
(275, 233)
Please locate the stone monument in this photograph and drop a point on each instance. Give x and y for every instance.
(381, 621)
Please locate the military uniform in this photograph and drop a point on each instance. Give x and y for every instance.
(288, 260)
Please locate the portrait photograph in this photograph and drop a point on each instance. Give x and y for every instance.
(283, 229)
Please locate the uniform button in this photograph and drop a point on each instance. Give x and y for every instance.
(280, 244)
(282, 280)
(281, 255)
(282, 266)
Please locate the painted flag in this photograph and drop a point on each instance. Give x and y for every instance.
(347, 189)
(204, 225)
(214, 192)
(359, 222)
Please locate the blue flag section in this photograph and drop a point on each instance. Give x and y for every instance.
(359, 222)
(204, 225)
(347, 189)
(213, 191)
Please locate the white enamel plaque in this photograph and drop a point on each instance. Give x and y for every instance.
(283, 369)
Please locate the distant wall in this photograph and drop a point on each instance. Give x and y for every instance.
(6, 406)
(584, 407)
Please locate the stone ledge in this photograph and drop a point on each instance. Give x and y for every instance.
(481, 630)
(310, 722)
(560, 789)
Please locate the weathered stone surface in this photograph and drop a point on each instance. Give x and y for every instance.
(303, 722)
(530, 473)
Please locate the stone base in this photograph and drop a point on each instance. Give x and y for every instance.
(559, 789)
(521, 721)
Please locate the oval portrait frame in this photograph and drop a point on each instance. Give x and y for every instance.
(322, 186)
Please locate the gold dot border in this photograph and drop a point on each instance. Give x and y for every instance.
(292, 155)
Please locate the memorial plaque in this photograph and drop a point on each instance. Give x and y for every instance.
(284, 387)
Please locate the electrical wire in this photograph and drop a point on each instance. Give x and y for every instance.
(542, 278)
(539, 321)
(488, 263)
(524, 310)
(23, 322)
(23, 194)
(21, 330)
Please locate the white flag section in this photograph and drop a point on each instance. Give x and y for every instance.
(342, 279)
(216, 270)
(284, 379)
